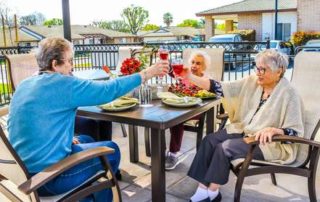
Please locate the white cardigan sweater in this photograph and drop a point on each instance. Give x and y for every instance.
(283, 109)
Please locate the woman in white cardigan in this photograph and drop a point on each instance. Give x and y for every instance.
(260, 105)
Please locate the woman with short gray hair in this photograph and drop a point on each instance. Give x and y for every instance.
(261, 105)
(42, 116)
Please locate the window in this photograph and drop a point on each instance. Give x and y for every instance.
(283, 31)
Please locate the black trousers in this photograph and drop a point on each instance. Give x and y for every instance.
(212, 161)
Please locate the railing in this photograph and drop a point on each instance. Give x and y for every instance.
(238, 59)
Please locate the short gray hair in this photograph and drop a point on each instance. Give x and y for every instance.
(50, 49)
(273, 59)
(206, 57)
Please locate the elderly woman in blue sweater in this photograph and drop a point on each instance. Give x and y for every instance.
(43, 110)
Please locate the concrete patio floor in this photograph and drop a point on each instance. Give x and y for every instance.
(136, 183)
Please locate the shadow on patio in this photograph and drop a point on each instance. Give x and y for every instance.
(136, 182)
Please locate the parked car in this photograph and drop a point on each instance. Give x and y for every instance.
(226, 38)
(312, 45)
(281, 46)
(231, 56)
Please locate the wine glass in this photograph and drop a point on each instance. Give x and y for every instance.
(164, 55)
(177, 67)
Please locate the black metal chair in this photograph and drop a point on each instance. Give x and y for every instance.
(306, 73)
(17, 184)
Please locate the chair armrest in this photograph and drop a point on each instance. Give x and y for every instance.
(222, 116)
(283, 138)
(4, 110)
(53, 171)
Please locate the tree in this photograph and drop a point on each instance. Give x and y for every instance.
(150, 27)
(8, 21)
(190, 23)
(53, 21)
(35, 18)
(116, 25)
(135, 17)
(221, 27)
(167, 19)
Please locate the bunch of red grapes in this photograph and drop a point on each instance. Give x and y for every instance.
(183, 90)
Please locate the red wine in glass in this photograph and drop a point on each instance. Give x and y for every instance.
(177, 68)
(163, 55)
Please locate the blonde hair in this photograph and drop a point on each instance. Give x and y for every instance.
(273, 59)
(204, 55)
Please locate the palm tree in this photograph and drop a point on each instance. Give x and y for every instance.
(167, 19)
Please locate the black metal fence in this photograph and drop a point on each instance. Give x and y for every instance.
(238, 58)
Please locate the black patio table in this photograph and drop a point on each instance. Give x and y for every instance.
(159, 117)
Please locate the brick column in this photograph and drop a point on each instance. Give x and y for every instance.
(229, 25)
(209, 27)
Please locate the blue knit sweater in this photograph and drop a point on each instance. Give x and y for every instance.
(43, 110)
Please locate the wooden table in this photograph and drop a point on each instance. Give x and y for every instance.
(159, 118)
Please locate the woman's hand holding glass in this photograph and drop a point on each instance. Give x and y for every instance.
(160, 68)
(179, 70)
(164, 56)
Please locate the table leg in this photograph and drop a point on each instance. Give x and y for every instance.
(158, 175)
(133, 144)
(210, 121)
(147, 141)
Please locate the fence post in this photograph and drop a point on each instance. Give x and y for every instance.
(268, 44)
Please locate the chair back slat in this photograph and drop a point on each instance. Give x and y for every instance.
(216, 68)
(21, 66)
(306, 79)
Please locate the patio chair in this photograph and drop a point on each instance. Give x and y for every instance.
(306, 73)
(21, 66)
(215, 71)
(18, 185)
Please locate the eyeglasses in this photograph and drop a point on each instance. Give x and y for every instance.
(194, 62)
(69, 60)
(260, 70)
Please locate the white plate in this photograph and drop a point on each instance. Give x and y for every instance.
(191, 103)
(108, 107)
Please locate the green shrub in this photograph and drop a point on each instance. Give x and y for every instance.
(5, 88)
(301, 37)
(247, 34)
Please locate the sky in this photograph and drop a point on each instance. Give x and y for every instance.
(84, 11)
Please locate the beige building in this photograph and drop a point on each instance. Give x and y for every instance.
(293, 15)
(80, 34)
(172, 34)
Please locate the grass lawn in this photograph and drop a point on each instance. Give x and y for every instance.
(5, 88)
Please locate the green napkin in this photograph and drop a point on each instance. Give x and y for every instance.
(121, 102)
(181, 100)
